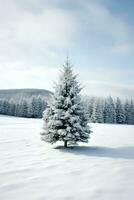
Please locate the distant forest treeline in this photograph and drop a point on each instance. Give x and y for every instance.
(24, 102)
(32, 108)
(28, 103)
(109, 110)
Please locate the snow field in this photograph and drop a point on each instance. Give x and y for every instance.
(33, 170)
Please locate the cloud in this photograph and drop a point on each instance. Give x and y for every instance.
(53, 27)
(101, 20)
(103, 89)
(106, 74)
(121, 49)
(29, 31)
(105, 81)
(110, 30)
(33, 77)
(34, 36)
(100, 82)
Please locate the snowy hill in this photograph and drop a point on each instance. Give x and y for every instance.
(18, 94)
(32, 169)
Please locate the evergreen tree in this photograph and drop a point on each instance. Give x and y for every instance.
(11, 109)
(65, 119)
(97, 114)
(128, 112)
(120, 113)
(33, 109)
(24, 109)
(132, 111)
(109, 111)
(1, 107)
(17, 110)
(91, 106)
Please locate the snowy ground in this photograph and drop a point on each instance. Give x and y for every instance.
(33, 170)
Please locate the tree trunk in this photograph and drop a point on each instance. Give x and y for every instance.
(65, 144)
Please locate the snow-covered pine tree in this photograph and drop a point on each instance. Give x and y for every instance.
(88, 104)
(24, 108)
(128, 112)
(41, 106)
(11, 108)
(97, 114)
(33, 108)
(132, 111)
(65, 119)
(109, 111)
(120, 113)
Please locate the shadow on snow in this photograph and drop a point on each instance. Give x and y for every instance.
(125, 152)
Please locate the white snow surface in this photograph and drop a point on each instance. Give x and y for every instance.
(31, 169)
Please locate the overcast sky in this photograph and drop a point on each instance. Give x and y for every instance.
(37, 35)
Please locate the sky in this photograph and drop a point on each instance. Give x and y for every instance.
(97, 35)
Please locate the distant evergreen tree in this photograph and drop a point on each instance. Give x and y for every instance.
(90, 107)
(120, 113)
(41, 107)
(128, 116)
(5, 107)
(109, 111)
(24, 109)
(97, 114)
(33, 109)
(132, 111)
(65, 119)
(1, 107)
(11, 108)
(16, 109)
